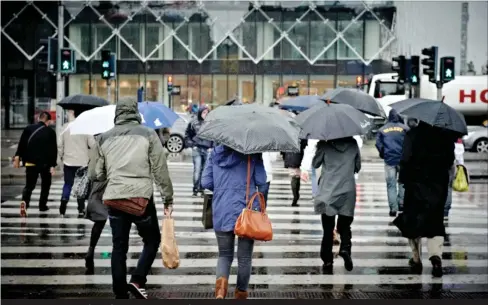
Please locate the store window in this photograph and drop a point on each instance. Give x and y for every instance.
(180, 102)
(321, 83)
(206, 89)
(220, 89)
(354, 36)
(102, 90)
(300, 81)
(194, 89)
(247, 88)
(346, 81)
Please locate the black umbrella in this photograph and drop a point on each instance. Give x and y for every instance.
(357, 99)
(82, 102)
(251, 129)
(434, 113)
(332, 121)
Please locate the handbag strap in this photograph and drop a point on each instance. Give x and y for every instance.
(248, 187)
(34, 133)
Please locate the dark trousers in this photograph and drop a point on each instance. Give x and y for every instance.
(31, 175)
(69, 179)
(148, 228)
(344, 230)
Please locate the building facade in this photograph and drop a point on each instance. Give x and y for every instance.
(212, 50)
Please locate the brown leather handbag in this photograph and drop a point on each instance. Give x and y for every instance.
(133, 206)
(253, 224)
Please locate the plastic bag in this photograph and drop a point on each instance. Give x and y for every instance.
(461, 182)
(81, 185)
(169, 248)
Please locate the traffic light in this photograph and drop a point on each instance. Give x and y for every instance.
(430, 63)
(42, 57)
(170, 84)
(399, 67)
(108, 65)
(414, 70)
(447, 69)
(67, 62)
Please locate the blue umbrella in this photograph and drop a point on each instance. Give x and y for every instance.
(301, 103)
(156, 115)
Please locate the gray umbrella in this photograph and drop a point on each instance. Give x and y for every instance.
(435, 113)
(357, 99)
(332, 121)
(251, 129)
(82, 101)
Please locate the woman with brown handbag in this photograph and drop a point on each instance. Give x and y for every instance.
(225, 174)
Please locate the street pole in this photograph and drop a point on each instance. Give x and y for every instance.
(59, 77)
(108, 90)
(439, 91)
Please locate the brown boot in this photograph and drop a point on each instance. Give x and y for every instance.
(240, 295)
(221, 288)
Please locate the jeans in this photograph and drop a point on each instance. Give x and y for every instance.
(313, 177)
(265, 190)
(344, 230)
(148, 228)
(226, 244)
(447, 206)
(31, 175)
(395, 193)
(69, 178)
(199, 156)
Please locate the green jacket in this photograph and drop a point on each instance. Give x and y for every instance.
(131, 156)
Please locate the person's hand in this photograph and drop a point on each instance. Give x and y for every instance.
(53, 171)
(16, 162)
(304, 176)
(168, 210)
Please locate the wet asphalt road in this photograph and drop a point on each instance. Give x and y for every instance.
(42, 257)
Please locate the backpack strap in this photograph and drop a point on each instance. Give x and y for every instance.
(34, 133)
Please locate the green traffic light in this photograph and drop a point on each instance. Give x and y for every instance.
(105, 64)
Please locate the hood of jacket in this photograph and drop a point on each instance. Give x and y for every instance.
(127, 112)
(394, 117)
(200, 111)
(340, 145)
(226, 157)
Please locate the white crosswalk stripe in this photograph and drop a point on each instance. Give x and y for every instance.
(44, 249)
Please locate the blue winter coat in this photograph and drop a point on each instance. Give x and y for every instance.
(389, 140)
(225, 174)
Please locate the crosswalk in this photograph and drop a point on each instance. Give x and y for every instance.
(45, 250)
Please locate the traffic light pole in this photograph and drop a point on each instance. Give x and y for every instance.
(439, 90)
(59, 77)
(108, 90)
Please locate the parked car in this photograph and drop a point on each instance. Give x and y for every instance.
(176, 142)
(477, 139)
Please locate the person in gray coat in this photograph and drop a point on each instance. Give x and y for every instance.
(96, 211)
(340, 159)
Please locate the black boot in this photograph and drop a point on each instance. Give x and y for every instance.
(62, 207)
(89, 263)
(436, 266)
(295, 189)
(345, 249)
(81, 208)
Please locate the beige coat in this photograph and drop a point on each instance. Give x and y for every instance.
(73, 150)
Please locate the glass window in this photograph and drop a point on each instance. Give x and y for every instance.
(85, 38)
(227, 50)
(321, 37)
(85, 87)
(152, 90)
(300, 81)
(180, 102)
(321, 83)
(128, 87)
(206, 89)
(194, 89)
(246, 88)
(247, 34)
(219, 89)
(103, 32)
(101, 90)
(152, 39)
(200, 39)
(300, 36)
(179, 51)
(346, 81)
(354, 36)
(232, 89)
(132, 34)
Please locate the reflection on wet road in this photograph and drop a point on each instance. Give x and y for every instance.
(43, 255)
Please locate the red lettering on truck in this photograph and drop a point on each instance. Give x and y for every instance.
(471, 94)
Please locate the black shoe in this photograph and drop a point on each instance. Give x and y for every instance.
(195, 194)
(294, 204)
(436, 266)
(393, 214)
(416, 267)
(328, 268)
(347, 259)
(89, 263)
(43, 209)
(139, 293)
(81, 214)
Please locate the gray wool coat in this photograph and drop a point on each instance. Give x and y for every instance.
(95, 210)
(340, 160)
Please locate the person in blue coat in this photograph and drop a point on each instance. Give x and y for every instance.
(389, 142)
(225, 174)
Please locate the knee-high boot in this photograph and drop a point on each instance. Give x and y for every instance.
(62, 207)
(345, 248)
(295, 189)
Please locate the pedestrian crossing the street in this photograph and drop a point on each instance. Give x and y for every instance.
(45, 252)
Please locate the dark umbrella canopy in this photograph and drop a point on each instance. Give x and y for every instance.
(251, 129)
(355, 98)
(82, 101)
(301, 103)
(434, 113)
(332, 121)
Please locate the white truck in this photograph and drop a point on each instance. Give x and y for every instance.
(467, 94)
